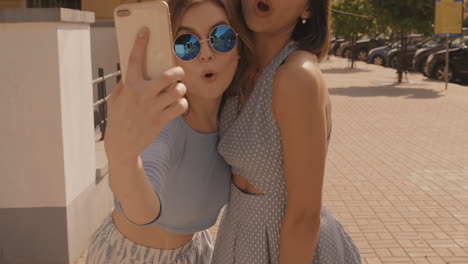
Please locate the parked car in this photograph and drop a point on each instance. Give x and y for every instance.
(362, 47)
(332, 42)
(336, 45)
(421, 55)
(344, 49)
(378, 55)
(458, 63)
(412, 42)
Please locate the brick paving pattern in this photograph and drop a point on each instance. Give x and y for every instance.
(397, 171)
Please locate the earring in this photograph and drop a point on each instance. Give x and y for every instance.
(304, 21)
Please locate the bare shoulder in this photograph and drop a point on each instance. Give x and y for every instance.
(300, 75)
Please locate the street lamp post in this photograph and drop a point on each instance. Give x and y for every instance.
(448, 23)
(447, 57)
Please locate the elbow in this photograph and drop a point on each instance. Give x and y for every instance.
(142, 218)
(139, 213)
(145, 220)
(147, 214)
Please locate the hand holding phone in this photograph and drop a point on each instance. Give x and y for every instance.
(140, 107)
(129, 19)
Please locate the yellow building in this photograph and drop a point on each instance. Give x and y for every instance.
(102, 8)
(12, 3)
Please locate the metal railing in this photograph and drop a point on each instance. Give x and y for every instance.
(100, 106)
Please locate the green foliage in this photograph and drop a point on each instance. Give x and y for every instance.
(345, 25)
(408, 16)
(383, 16)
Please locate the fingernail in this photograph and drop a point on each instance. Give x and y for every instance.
(143, 32)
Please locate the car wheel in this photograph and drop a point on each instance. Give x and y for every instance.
(394, 62)
(421, 66)
(439, 73)
(347, 53)
(378, 60)
(425, 74)
(334, 51)
(362, 55)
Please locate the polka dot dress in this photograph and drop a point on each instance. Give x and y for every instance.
(249, 232)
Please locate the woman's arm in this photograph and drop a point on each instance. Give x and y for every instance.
(138, 194)
(137, 112)
(299, 107)
(131, 187)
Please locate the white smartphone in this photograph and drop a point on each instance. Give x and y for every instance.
(129, 19)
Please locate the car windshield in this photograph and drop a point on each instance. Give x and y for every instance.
(415, 40)
(458, 41)
(431, 43)
(364, 37)
(396, 44)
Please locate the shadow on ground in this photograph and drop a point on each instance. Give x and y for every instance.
(344, 70)
(459, 82)
(387, 90)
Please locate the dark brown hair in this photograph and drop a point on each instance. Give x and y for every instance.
(248, 65)
(314, 35)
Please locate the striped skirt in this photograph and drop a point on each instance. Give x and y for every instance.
(109, 246)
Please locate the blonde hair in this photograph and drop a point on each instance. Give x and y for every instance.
(244, 71)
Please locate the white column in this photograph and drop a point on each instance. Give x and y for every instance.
(49, 200)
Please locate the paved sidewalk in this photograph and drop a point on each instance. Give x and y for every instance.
(397, 172)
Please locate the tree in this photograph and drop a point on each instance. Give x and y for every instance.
(404, 17)
(351, 20)
(345, 25)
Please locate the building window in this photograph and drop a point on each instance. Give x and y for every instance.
(74, 4)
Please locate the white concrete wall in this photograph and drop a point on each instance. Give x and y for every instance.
(12, 3)
(74, 51)
(48, 153)
(47, 145)
(31, 152)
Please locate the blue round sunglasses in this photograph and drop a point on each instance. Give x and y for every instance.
(222, 38)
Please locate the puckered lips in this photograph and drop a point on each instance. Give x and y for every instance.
(263, 7)
(209, 76)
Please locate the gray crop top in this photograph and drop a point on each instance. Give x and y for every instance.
(190, 177)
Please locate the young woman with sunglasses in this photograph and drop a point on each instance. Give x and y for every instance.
(168, 178)
(275, 136)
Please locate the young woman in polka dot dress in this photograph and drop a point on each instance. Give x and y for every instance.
(276, 137)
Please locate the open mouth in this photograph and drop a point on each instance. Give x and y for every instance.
(209, 76)
(263, 6)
